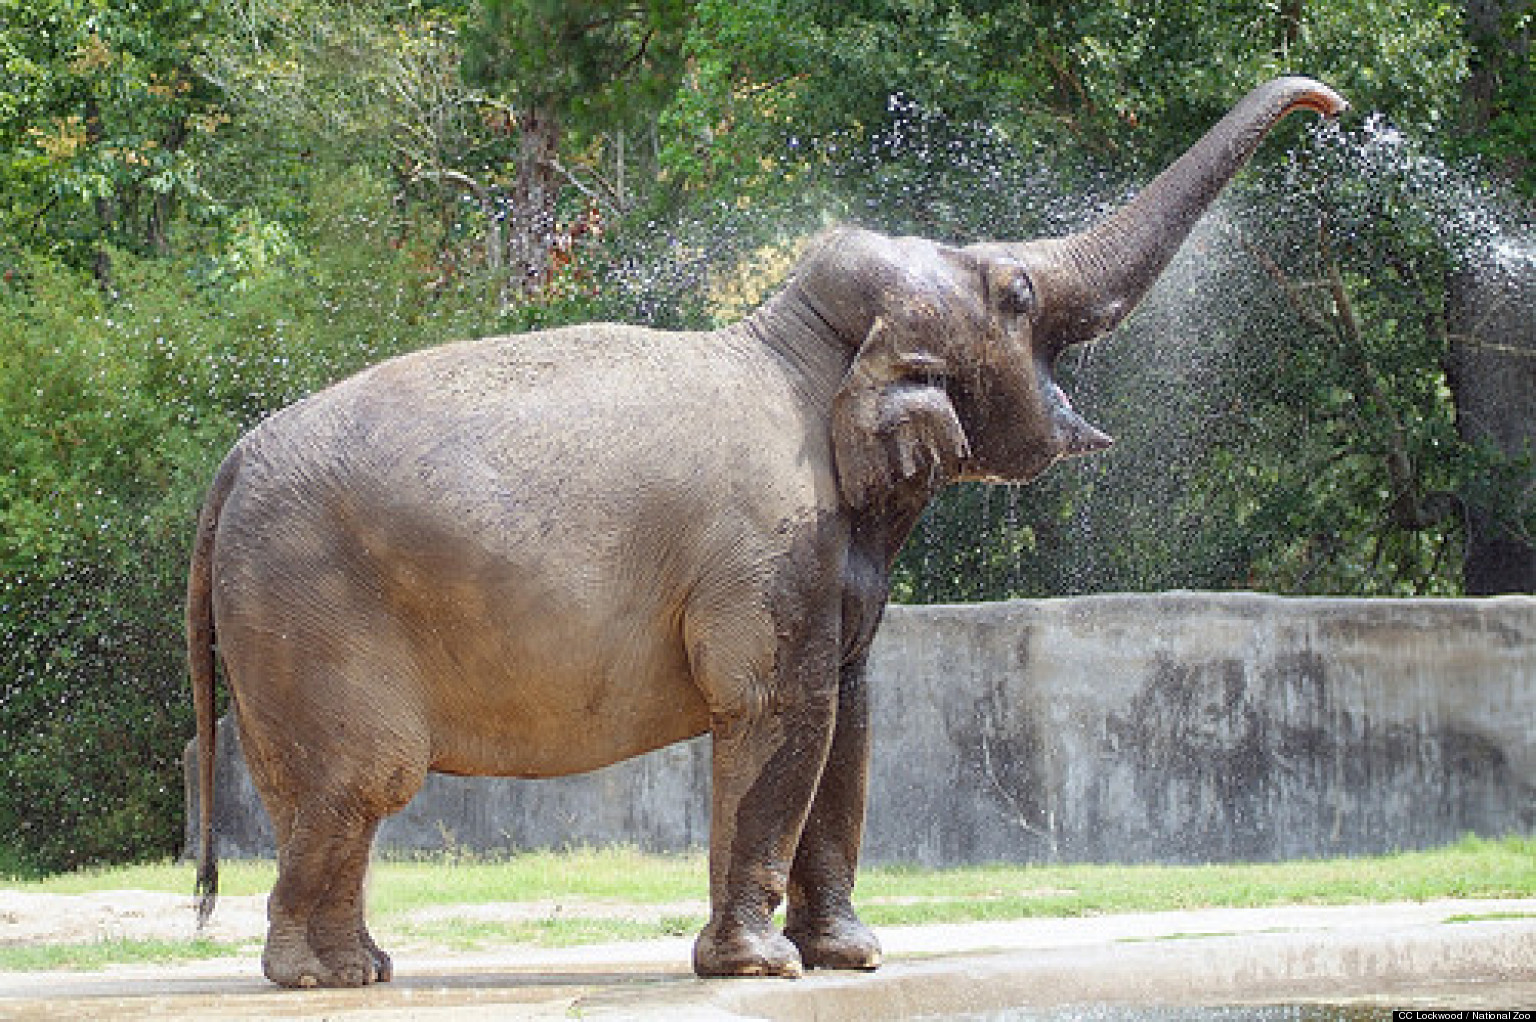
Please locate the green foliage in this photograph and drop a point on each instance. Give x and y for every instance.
(1166, 71)
(87, 636)
(778, 87)
(596, 64)
(113, 415)
(1368, 474)
(1499, 120)
(101, 121)
(976, 542)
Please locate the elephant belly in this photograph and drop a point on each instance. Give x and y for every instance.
(566, 667)
(543, 698)
(537, 677)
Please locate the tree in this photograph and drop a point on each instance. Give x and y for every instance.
(1498, 120)
(98, 143)
(564, 70)
(317, 88)
(1492, 337)
(1492, 372)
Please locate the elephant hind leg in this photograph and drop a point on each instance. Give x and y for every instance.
(334, 745)
(337, 927)
(317, 934)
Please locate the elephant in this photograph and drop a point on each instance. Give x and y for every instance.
(539, 554)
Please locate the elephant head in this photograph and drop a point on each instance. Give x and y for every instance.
(953, 374)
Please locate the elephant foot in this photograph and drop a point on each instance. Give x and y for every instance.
(738, 951)
(292, 963)
(844, 943)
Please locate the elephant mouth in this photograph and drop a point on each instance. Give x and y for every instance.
(1038, 434)
(1073, 434)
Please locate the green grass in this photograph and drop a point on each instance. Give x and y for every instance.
(552, 931)
(97, 954)
(1471, 868)
(1488, 917)
(620, 874)
(236, 876)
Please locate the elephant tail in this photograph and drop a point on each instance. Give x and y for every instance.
(201, 664)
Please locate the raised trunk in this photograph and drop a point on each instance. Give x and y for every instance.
(1092, 280)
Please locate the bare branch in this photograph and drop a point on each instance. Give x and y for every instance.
(1291, 290)
(453, 177)
(1410, 508)
(605, 194)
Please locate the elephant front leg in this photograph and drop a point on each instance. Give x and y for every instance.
(822, 923)
(766, 768)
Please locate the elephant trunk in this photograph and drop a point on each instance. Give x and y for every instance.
(1091, 281)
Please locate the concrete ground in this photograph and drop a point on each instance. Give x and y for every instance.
(1471, 954)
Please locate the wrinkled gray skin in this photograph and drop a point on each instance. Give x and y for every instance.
(537, 555)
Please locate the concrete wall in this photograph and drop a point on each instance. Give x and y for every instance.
(1179, 727)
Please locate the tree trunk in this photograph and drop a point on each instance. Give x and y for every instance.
(162, 204)
(531, 219)
(106, 208)
(1495, 51)
(1492, 359)
(1501, 43)
(1492, 371)
(1288, 26)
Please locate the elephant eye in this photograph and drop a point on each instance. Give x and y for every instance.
(1019, 295)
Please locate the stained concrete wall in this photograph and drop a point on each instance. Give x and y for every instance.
(1179, 727)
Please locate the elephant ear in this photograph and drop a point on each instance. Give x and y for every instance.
(892, 420)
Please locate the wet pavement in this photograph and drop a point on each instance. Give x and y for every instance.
(1473, 954)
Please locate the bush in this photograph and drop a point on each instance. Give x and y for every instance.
(87, 657)
(114, 412)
